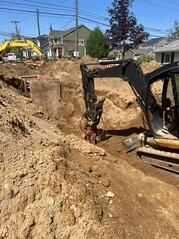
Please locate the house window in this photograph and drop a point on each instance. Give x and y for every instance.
(81, 42)
(167, 58)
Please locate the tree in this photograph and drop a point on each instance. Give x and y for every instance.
(124, 32)
(173, 32)
(96, 45)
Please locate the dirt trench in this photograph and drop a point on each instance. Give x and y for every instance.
(55, 185)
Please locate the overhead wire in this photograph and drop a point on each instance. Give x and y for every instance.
(79, 10)
(28, 6)
(62, 14)
(171, 3)
(34, 12)
(57, 7)
(67, 23)
(159, 5)
(66, 15)
(7, 34)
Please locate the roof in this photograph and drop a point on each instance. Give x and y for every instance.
(171, 47)
(74, 28)
(43, 40)
(140, 51)
(58, 33)
(152, 41)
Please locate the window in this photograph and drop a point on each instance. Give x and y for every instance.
(167, 58)
(81, 42)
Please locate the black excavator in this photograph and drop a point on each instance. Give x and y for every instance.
(159, 144)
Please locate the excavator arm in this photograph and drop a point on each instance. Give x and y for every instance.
(127, 70)
(153, 108)
(20, 43)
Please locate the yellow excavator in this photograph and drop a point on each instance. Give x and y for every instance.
(19, 43)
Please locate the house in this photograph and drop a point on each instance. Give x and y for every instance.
(62, 43)
(145, 48)
(154, 43)
(136, 53)
(168, 53)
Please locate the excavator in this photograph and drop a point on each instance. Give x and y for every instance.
(19, 43)
(159, 143)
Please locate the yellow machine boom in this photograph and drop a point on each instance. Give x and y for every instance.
(20, 43)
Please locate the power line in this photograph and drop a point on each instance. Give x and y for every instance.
(57, 7)
(81, 12)
(35, 6)
(7, 34)
(31, 12)
(171, 3)
(70, 9)
(67, 23)
(159, 5)
(155, 30)
(51, 14)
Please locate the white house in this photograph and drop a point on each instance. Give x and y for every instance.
(168, 53)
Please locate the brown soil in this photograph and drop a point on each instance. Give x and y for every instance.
(55, 185)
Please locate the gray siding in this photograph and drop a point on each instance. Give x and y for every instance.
(69, 41)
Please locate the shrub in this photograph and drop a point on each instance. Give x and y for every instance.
(144, 58)
(110, 57)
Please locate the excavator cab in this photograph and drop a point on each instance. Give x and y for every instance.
(162, 105)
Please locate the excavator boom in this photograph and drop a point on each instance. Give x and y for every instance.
(127, 70)
(20, 43)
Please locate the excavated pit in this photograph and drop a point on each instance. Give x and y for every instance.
(55, 185)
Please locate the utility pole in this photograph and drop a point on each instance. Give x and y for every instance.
(76, 20)
(38, 25)
(17, 32)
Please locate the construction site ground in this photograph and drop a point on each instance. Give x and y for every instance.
(55, 185)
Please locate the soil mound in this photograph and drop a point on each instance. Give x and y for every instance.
(147, 67)
(14, 70)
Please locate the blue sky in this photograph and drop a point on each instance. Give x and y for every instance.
(156, 16)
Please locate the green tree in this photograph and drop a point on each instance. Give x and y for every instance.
(96, 45)
(124, 32)
(173, 33)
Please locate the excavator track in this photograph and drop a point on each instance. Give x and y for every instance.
(162, 159)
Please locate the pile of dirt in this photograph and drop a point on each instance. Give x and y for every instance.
(55, 185)
(147, 67)
(14, 70)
